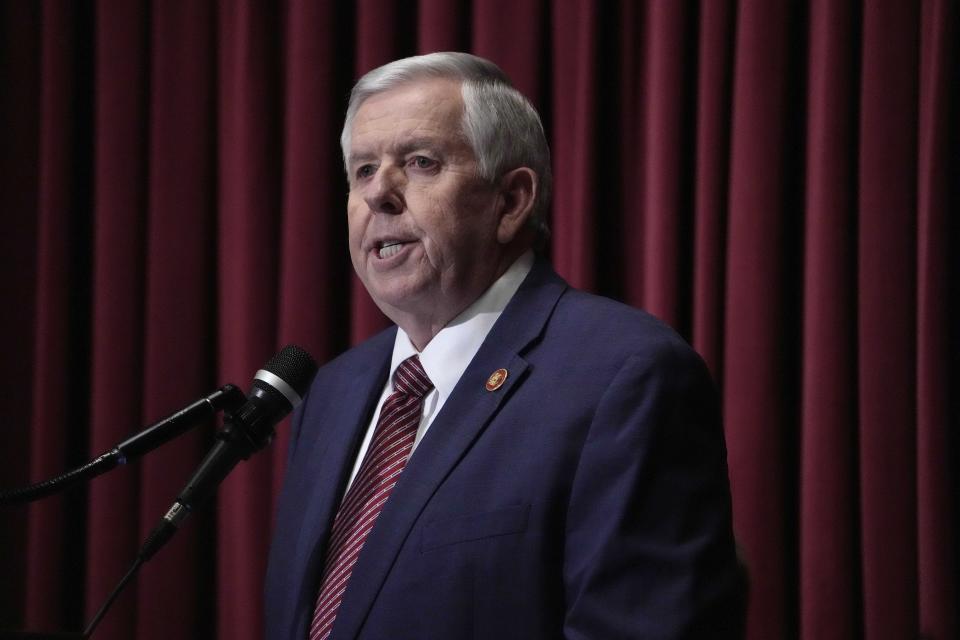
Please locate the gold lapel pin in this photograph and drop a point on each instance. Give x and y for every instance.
(496, 379)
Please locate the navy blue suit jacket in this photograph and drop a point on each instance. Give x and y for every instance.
(585, 498)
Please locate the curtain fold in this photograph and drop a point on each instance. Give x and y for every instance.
(828, 548)
(121, 90)
(250, 164)
(666, 182)
(938, 285)
(314, 278)
(19, 153)
(886, 316)
(715, 37)
(759, 417)
(62, 215)
(777, 180)
(180, 296)
(575, 154)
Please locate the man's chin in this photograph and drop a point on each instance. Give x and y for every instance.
(397, 296)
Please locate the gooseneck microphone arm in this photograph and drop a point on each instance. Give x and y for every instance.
(227, 398)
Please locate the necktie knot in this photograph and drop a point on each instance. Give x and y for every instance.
(411, 379)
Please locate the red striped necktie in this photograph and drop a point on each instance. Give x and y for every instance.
(386, 457)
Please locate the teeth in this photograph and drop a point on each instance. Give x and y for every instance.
(390, 249)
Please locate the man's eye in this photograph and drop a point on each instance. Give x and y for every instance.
(365, 171)
(423, 162)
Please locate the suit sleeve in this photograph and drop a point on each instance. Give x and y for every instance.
(649, 549)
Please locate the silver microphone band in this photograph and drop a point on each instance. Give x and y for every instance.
(280, 385)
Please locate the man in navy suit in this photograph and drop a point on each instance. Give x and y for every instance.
(565, 475)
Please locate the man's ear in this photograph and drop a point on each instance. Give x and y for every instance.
(518, 188)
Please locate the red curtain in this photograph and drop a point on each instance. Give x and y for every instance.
(778, 180)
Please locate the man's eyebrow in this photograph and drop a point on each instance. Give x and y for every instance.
(427, 142)
(430, 143)
(363, 156)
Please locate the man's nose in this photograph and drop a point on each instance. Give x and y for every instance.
(385, 191)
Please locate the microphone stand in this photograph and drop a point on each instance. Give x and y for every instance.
(248, 427)
(212, 470)
(227, 398)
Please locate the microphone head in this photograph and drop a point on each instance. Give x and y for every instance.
(294, 366)
(276, 390)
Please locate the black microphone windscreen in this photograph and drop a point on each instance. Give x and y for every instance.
(294, 366)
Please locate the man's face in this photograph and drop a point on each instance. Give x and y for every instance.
(423, 226)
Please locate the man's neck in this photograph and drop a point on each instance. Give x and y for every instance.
(421, 330)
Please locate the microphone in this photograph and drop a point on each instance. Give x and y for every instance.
(276, 390)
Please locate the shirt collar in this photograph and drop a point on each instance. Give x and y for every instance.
(447, 355)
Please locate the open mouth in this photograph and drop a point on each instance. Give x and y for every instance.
(390, 248)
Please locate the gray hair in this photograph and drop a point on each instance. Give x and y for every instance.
(500, 124)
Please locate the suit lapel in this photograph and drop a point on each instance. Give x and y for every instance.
(463, 417)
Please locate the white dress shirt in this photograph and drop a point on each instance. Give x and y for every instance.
(447, 355)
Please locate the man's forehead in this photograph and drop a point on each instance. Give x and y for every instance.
(423, 113)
